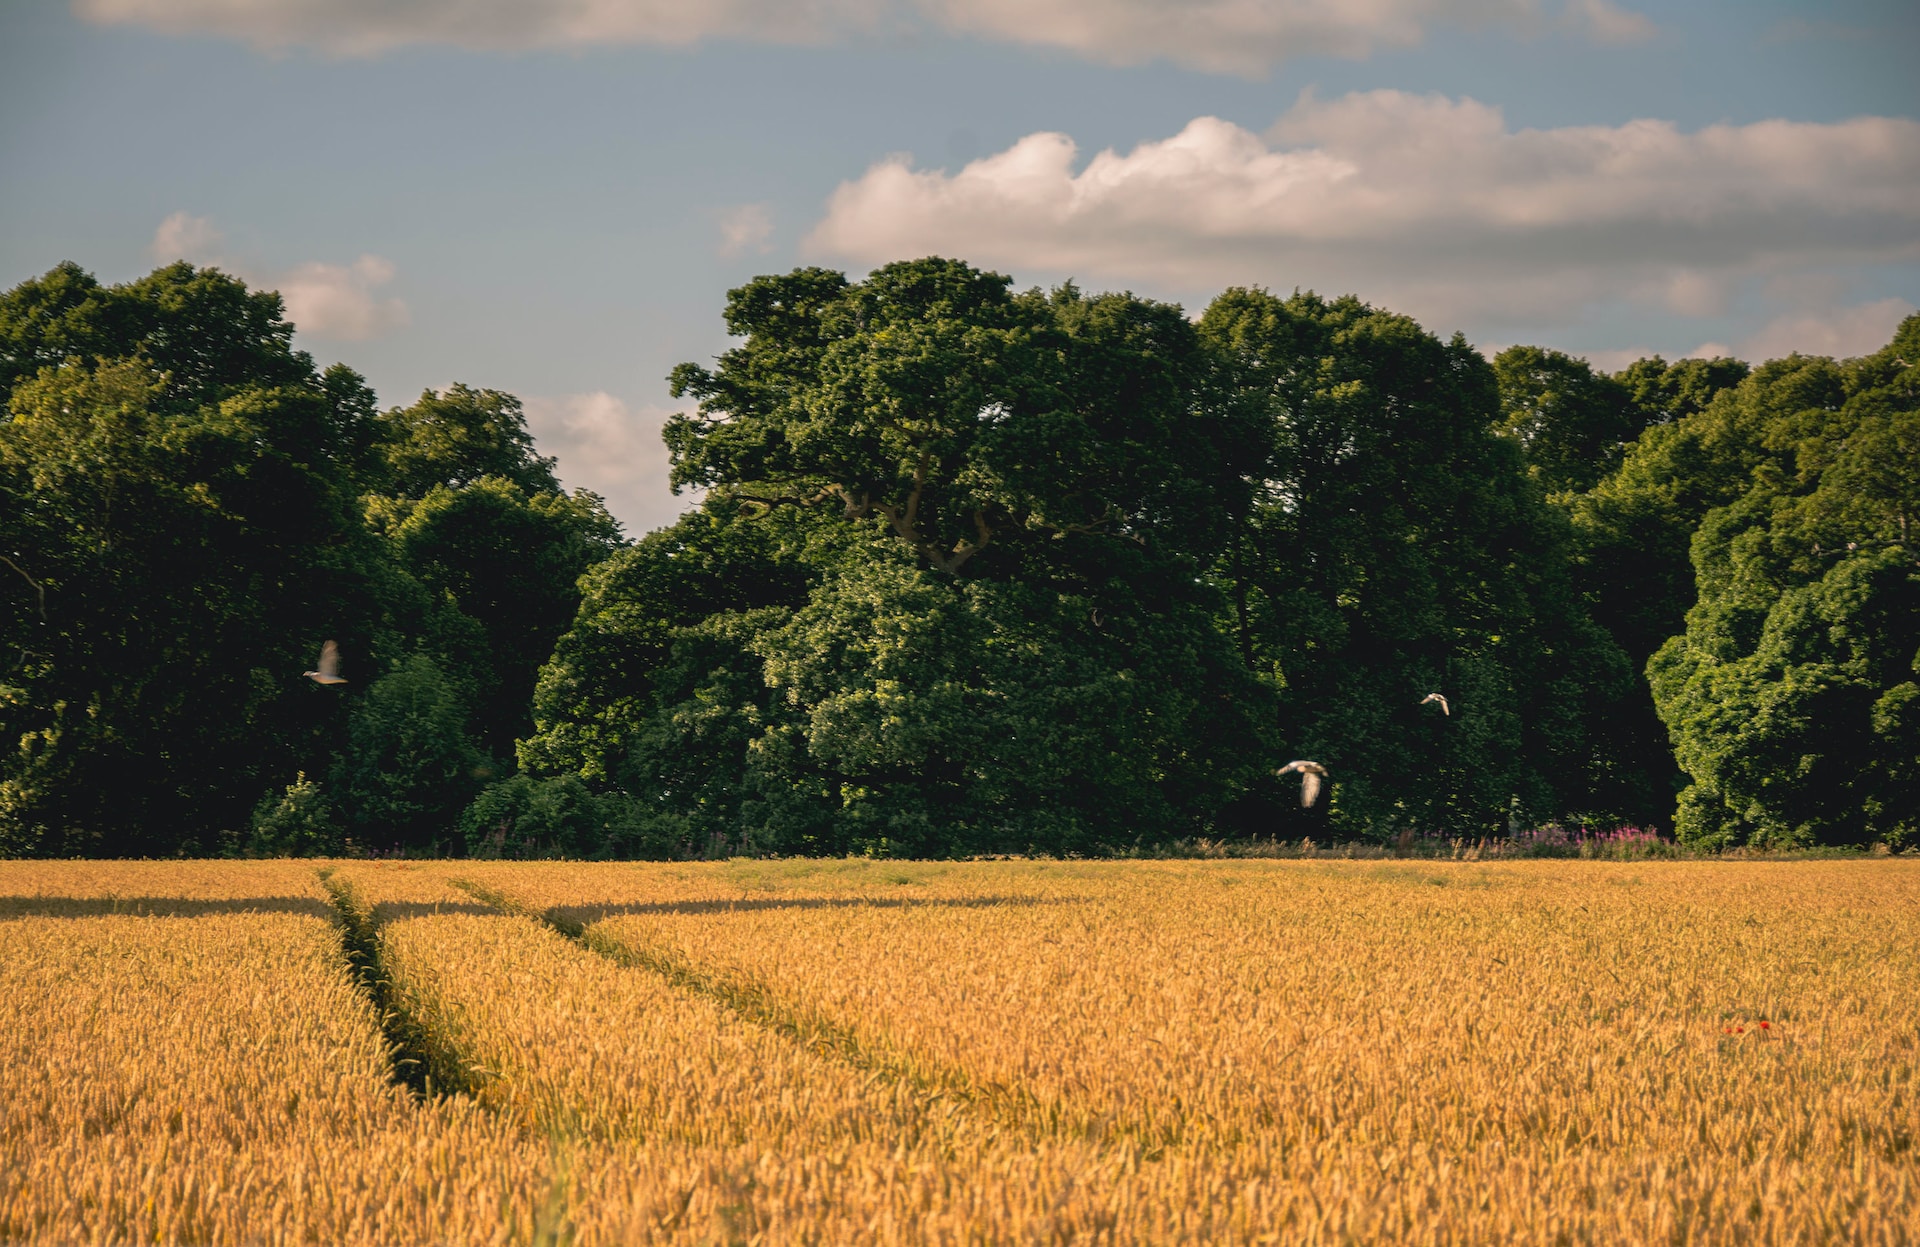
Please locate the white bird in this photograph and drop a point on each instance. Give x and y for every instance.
(1443, 703)
(1311, 773)
(329, 672)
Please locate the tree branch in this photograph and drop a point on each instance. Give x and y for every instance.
(919, 488)
(784, 500)
(854, 510)
(964, 550)
(39, 589)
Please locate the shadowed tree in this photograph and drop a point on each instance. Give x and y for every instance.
(409, 767)
(1398, 547)
(183, 522)
(511, 563)
(192, 542)
(1633, 531)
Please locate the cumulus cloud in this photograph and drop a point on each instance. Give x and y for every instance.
(746, 230)
(337, 301)
(369, 27)
(1428, 204)
(185, 237)
(612, 449)
(1615, 360)
(1233, 36)
(1843, 332)
(1228, 36)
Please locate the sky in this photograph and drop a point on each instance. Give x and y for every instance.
(552, 197)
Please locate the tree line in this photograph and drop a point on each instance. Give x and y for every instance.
(975, 570)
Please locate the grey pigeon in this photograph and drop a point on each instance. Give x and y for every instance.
(1443, 703)
(1311, 773)
(329, 672)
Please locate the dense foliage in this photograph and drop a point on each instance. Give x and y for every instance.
(1793, 695)
(1397, 547)
(188, 508)
(976, 570)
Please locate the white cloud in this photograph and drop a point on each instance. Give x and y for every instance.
(746, 229)
(1225, 36)
(1842, 332)
(1615, 361)
(1429, 205)
(369, 27)
(1606, 22)
(612, 449)
(1233, 36)
(185, 237)
(337, 301)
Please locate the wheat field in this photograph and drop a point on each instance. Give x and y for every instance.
(1236, 1052)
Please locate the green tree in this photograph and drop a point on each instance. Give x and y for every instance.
(1056, 710)
(174, 564)
(959, 605)
(477, 517)
(202, 332)
(1572, 423)
(1667, 392)
(459, 436)
(1398, 549)
(409, 767)
(1633, 530)
(562, 816)
(958, 414)
(1792, 695)
(614, 671)
(1636, 525)
(298, 822)
(510, 563)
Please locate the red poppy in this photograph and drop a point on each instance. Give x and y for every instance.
(1764, 1026)
(1739, 1030)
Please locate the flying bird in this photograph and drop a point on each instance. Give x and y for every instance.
(1311, 773)
(329, 672)
(1443, 703)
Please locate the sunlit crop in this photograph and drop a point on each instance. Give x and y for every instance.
(205, 1071)
(997, 1051)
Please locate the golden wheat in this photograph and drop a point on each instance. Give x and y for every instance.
(836, 1052)
(677, 1119)
(1464, 1051)
(202, 1069)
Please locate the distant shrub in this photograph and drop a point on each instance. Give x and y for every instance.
(409, 767)
(523, 817)
(297, 823)
(1619, 843)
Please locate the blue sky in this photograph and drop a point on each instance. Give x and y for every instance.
(552, 196)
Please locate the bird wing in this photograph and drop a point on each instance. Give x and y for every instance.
(1309, 789)
(329, 661)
